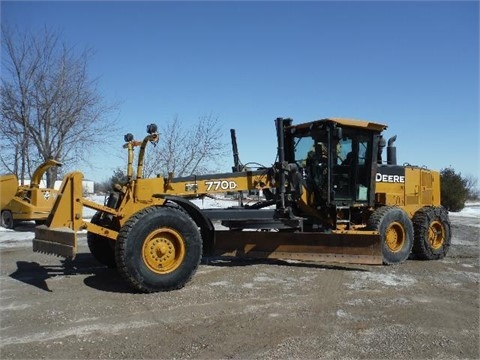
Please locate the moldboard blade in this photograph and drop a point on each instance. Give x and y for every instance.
(346, 248)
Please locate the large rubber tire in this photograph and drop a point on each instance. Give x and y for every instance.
(396, 233)
(158, 249)
(101, 247)
(432, 233)
(7, 219)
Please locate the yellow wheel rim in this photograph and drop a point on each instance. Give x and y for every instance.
(163, 250)
(395, 237)
(436, 234)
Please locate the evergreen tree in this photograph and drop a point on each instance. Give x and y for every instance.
(454, 190)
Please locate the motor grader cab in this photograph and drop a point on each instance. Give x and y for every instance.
(23, 203)
(323, 203)
(331, 170)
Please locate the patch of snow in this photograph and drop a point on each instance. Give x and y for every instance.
(220, 283)
(464, 242)
(262, 278)
(14, 306)
(366, 279)
(471, 210)
(359, 302)
(78, 331)
(11, 238)
(215, 203)
(420, 299)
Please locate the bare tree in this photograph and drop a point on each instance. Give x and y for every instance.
(50, 108)
(184, 151)
(471, 183)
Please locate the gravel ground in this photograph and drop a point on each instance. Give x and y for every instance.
(54, 309)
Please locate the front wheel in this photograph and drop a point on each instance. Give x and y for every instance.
(396, 233)
(158, 249)
(432, 233)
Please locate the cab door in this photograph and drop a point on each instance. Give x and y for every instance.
(351, 168)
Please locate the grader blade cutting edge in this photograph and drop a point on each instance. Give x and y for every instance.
(59, 241)
(346, 248)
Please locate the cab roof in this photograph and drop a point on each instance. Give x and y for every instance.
(345, 122)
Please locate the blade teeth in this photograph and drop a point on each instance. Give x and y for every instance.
(48, 253)
(49, 248)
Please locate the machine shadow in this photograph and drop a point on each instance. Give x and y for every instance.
(25, 226)
(226, 261)
(101, 278)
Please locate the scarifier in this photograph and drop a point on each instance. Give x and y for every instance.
(328, 197)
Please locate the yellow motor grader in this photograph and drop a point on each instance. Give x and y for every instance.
(329, 197)
(21, 203)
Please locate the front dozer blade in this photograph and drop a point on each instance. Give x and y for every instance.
(58, 241)
(347, 248)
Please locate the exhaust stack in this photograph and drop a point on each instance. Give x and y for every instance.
(392, 151)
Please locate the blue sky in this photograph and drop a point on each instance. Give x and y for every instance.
(412, 65)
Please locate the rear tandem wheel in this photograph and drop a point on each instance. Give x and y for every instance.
(158, 249)
(432, 233)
